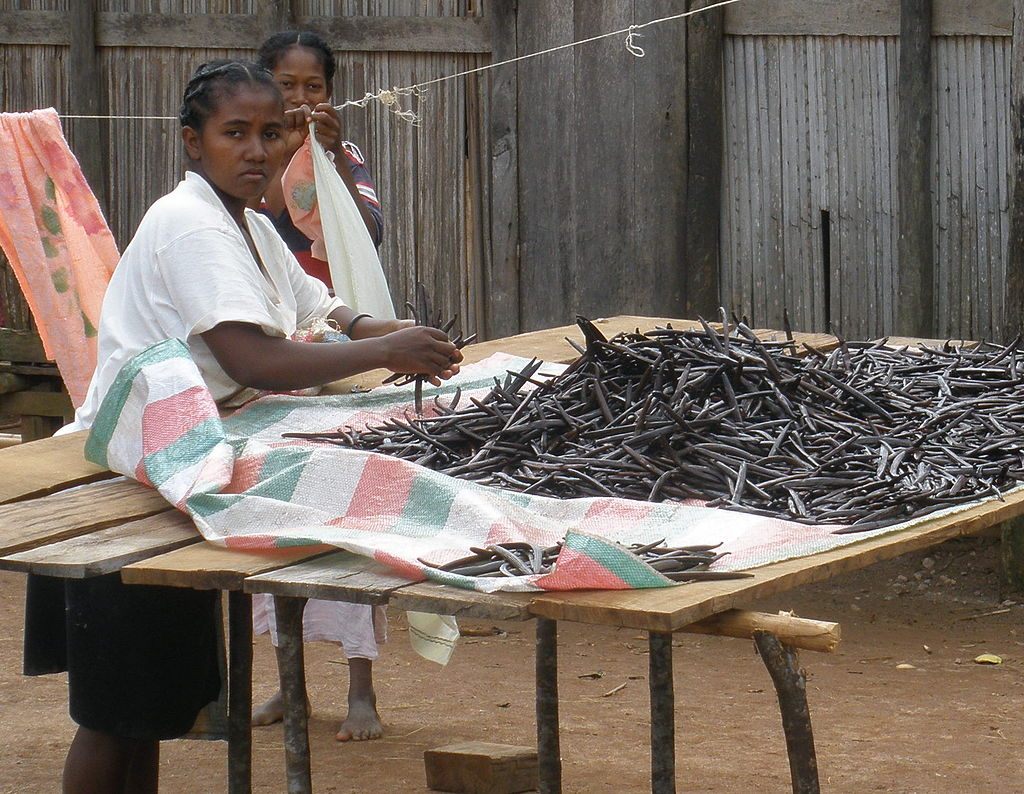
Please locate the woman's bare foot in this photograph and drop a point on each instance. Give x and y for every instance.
(362, 721)
(269, 712)
(272, 710)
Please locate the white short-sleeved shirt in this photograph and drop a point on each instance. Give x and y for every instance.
(187, 269)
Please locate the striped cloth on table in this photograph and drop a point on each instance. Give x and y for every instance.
(246, 486)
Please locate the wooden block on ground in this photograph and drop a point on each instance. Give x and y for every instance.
(481, 768)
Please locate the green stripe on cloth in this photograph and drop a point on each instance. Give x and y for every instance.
(113, 404)
(285, 543)
(189, 448)
(279, 476)
(430, 501)
(522, 500)
(281, 472)
(449, 578)
(204, 505)
(257, 418)
(616, 559)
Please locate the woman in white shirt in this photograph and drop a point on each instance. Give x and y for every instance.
(204, 269)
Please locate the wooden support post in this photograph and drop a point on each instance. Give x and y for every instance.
(549, 755)
(213, 721)
(1012, 583)
(277, 15)
(240, 693)
(663, 714)
(502, 282)
(291, 667)
(704, 148)
(791, 687)
(916, 254)
(34, 428)
(1013, 306)
(88, 96)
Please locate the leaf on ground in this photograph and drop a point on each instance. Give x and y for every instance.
(905, 666)
(988, 658)
(592, 676)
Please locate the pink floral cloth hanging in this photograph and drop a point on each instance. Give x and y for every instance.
(54, 234)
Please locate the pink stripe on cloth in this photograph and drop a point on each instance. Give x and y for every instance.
(246, 473)
(383, 489)
(271, 546)
(576, 571)
(165, 421)
(511, 531)
(611, 512)
(58, 243)
(140, 474)
(401, 566)
(766, 540)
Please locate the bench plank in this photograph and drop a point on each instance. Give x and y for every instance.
(46, 466)
(106, 550)
(344, 576)
(206, 566)
(48, 519)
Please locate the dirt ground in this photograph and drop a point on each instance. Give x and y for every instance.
(946, 724)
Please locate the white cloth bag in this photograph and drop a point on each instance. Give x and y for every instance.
(356, 272)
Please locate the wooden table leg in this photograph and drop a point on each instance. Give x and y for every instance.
(549, 757)
(240, 693)
(791, 687)
(1012, 553)
(663, 717)
(291, 666)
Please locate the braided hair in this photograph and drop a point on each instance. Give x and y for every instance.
(274, 48)
(213, 77)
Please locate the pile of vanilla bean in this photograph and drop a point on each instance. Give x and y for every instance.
(863, 436)
(517, 558)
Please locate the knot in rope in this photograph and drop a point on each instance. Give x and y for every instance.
(631, 45)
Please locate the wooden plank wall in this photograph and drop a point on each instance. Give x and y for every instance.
(811, 125)
(589, 209)
(972, 152)
(429, 187)
(602, 163)
(810, 129)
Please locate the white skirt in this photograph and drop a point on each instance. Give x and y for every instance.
(357, 627)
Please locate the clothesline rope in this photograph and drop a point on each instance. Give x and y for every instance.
(390, 98)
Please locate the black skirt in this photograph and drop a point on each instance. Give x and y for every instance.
(141, 660)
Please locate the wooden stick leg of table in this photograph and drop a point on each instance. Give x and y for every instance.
(663, 725)
(1012, 558)
(240, 693)
(291, 666)
(791, 687)
(549, 757)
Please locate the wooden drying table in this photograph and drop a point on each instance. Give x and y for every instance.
(104, 526)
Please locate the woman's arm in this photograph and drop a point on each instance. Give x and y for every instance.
(252, 358)
(366, 327)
